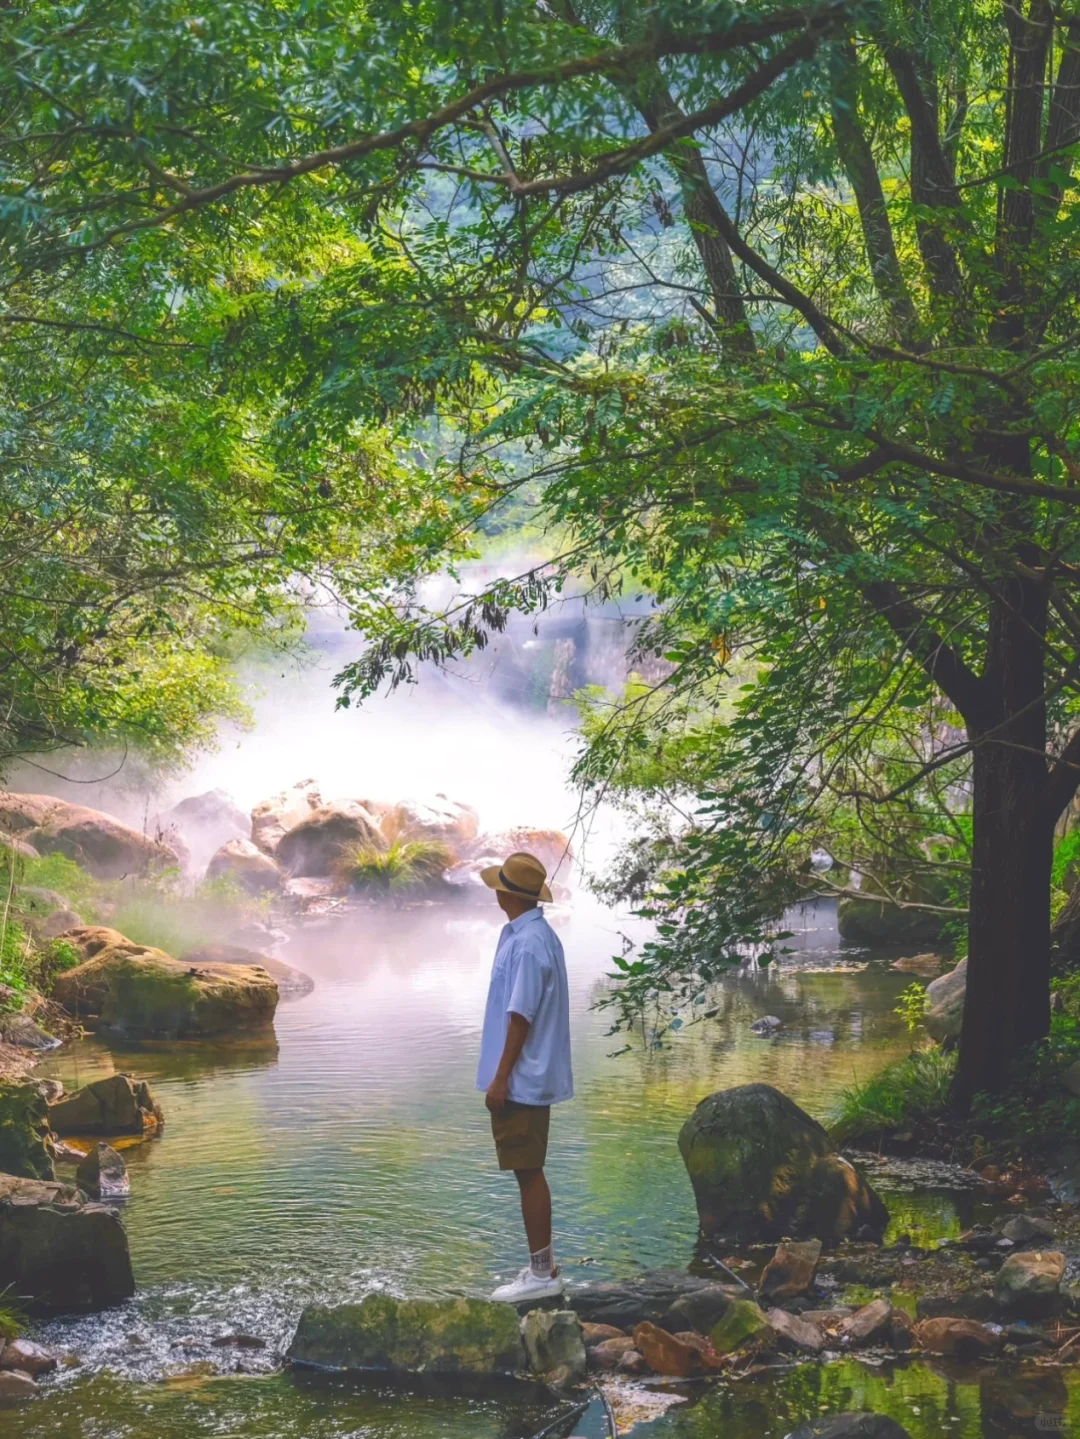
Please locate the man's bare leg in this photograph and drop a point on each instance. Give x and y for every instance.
(536, 1212)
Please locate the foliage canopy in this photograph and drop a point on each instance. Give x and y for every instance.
(771, 312)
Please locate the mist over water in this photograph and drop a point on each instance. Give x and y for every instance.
(497, 731)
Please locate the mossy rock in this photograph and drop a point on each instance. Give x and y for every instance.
(58, 1253)
(137, 992)
(743, 1323)
(764, 1170)
(875, 925)
(411, 1336)
(24, 1132)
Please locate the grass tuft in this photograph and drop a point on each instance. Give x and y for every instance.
(405, 865)
(12, 1319)
(898, 1097)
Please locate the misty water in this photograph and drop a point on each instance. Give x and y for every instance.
(352, 1152)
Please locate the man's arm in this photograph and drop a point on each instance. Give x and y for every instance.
(498, 1091)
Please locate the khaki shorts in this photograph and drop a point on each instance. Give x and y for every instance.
(521, 1135)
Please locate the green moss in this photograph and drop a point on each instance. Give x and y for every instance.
(24, 1132)
(743, 1322)
(443, 1336)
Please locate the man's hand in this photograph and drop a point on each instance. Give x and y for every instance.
(498, 1092)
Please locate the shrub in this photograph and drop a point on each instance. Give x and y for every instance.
(405, 865)
(915, 1088)
(914, 1002)
(16, 954)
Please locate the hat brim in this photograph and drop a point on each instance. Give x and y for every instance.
(490, 876)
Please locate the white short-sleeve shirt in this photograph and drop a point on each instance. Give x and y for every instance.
(529, 978)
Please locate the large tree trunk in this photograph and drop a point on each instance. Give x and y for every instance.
(1007, 1004)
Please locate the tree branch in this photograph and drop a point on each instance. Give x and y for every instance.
(1064, 778)
(612, 63)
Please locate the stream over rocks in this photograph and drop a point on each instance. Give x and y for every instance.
(349, 1154)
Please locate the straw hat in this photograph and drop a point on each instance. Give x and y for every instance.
(521, 874)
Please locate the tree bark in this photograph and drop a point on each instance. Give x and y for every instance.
(704, 215)
(857, 158)
(1007, 1003)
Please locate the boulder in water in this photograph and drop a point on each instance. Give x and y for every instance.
(249, 867)
(58, 1252)
(550, 846)
(945, 999)
(274, 817)
(411, 1336)
(142, 993)
(447, 821)
(103, 845)
(763, 1170)
(291, 983)
(103, 1174)
(205, 822)
(873, 924)
(24, 1132)
(117, 1104)
(315, 846)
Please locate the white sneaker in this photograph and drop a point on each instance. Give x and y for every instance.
(529, 1286)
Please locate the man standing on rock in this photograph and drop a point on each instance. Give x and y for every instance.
(525, 1056)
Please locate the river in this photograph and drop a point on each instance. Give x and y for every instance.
(353, 1153)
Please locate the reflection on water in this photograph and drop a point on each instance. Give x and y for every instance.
(358, 1155)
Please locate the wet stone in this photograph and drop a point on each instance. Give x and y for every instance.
(15, 1385)
(1027, 1229)
(960, 1338)
(868, 1324)
(597, 1333)
(30, 1358)
(790, 1272)
(743, 1324)
(664, 1353)
(608, 1352)
(796, 1333)
(553, 1341)
(103, 1174)
(652, 1296)
(1030, 1281)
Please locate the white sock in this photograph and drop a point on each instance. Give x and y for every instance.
(541, 1263)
